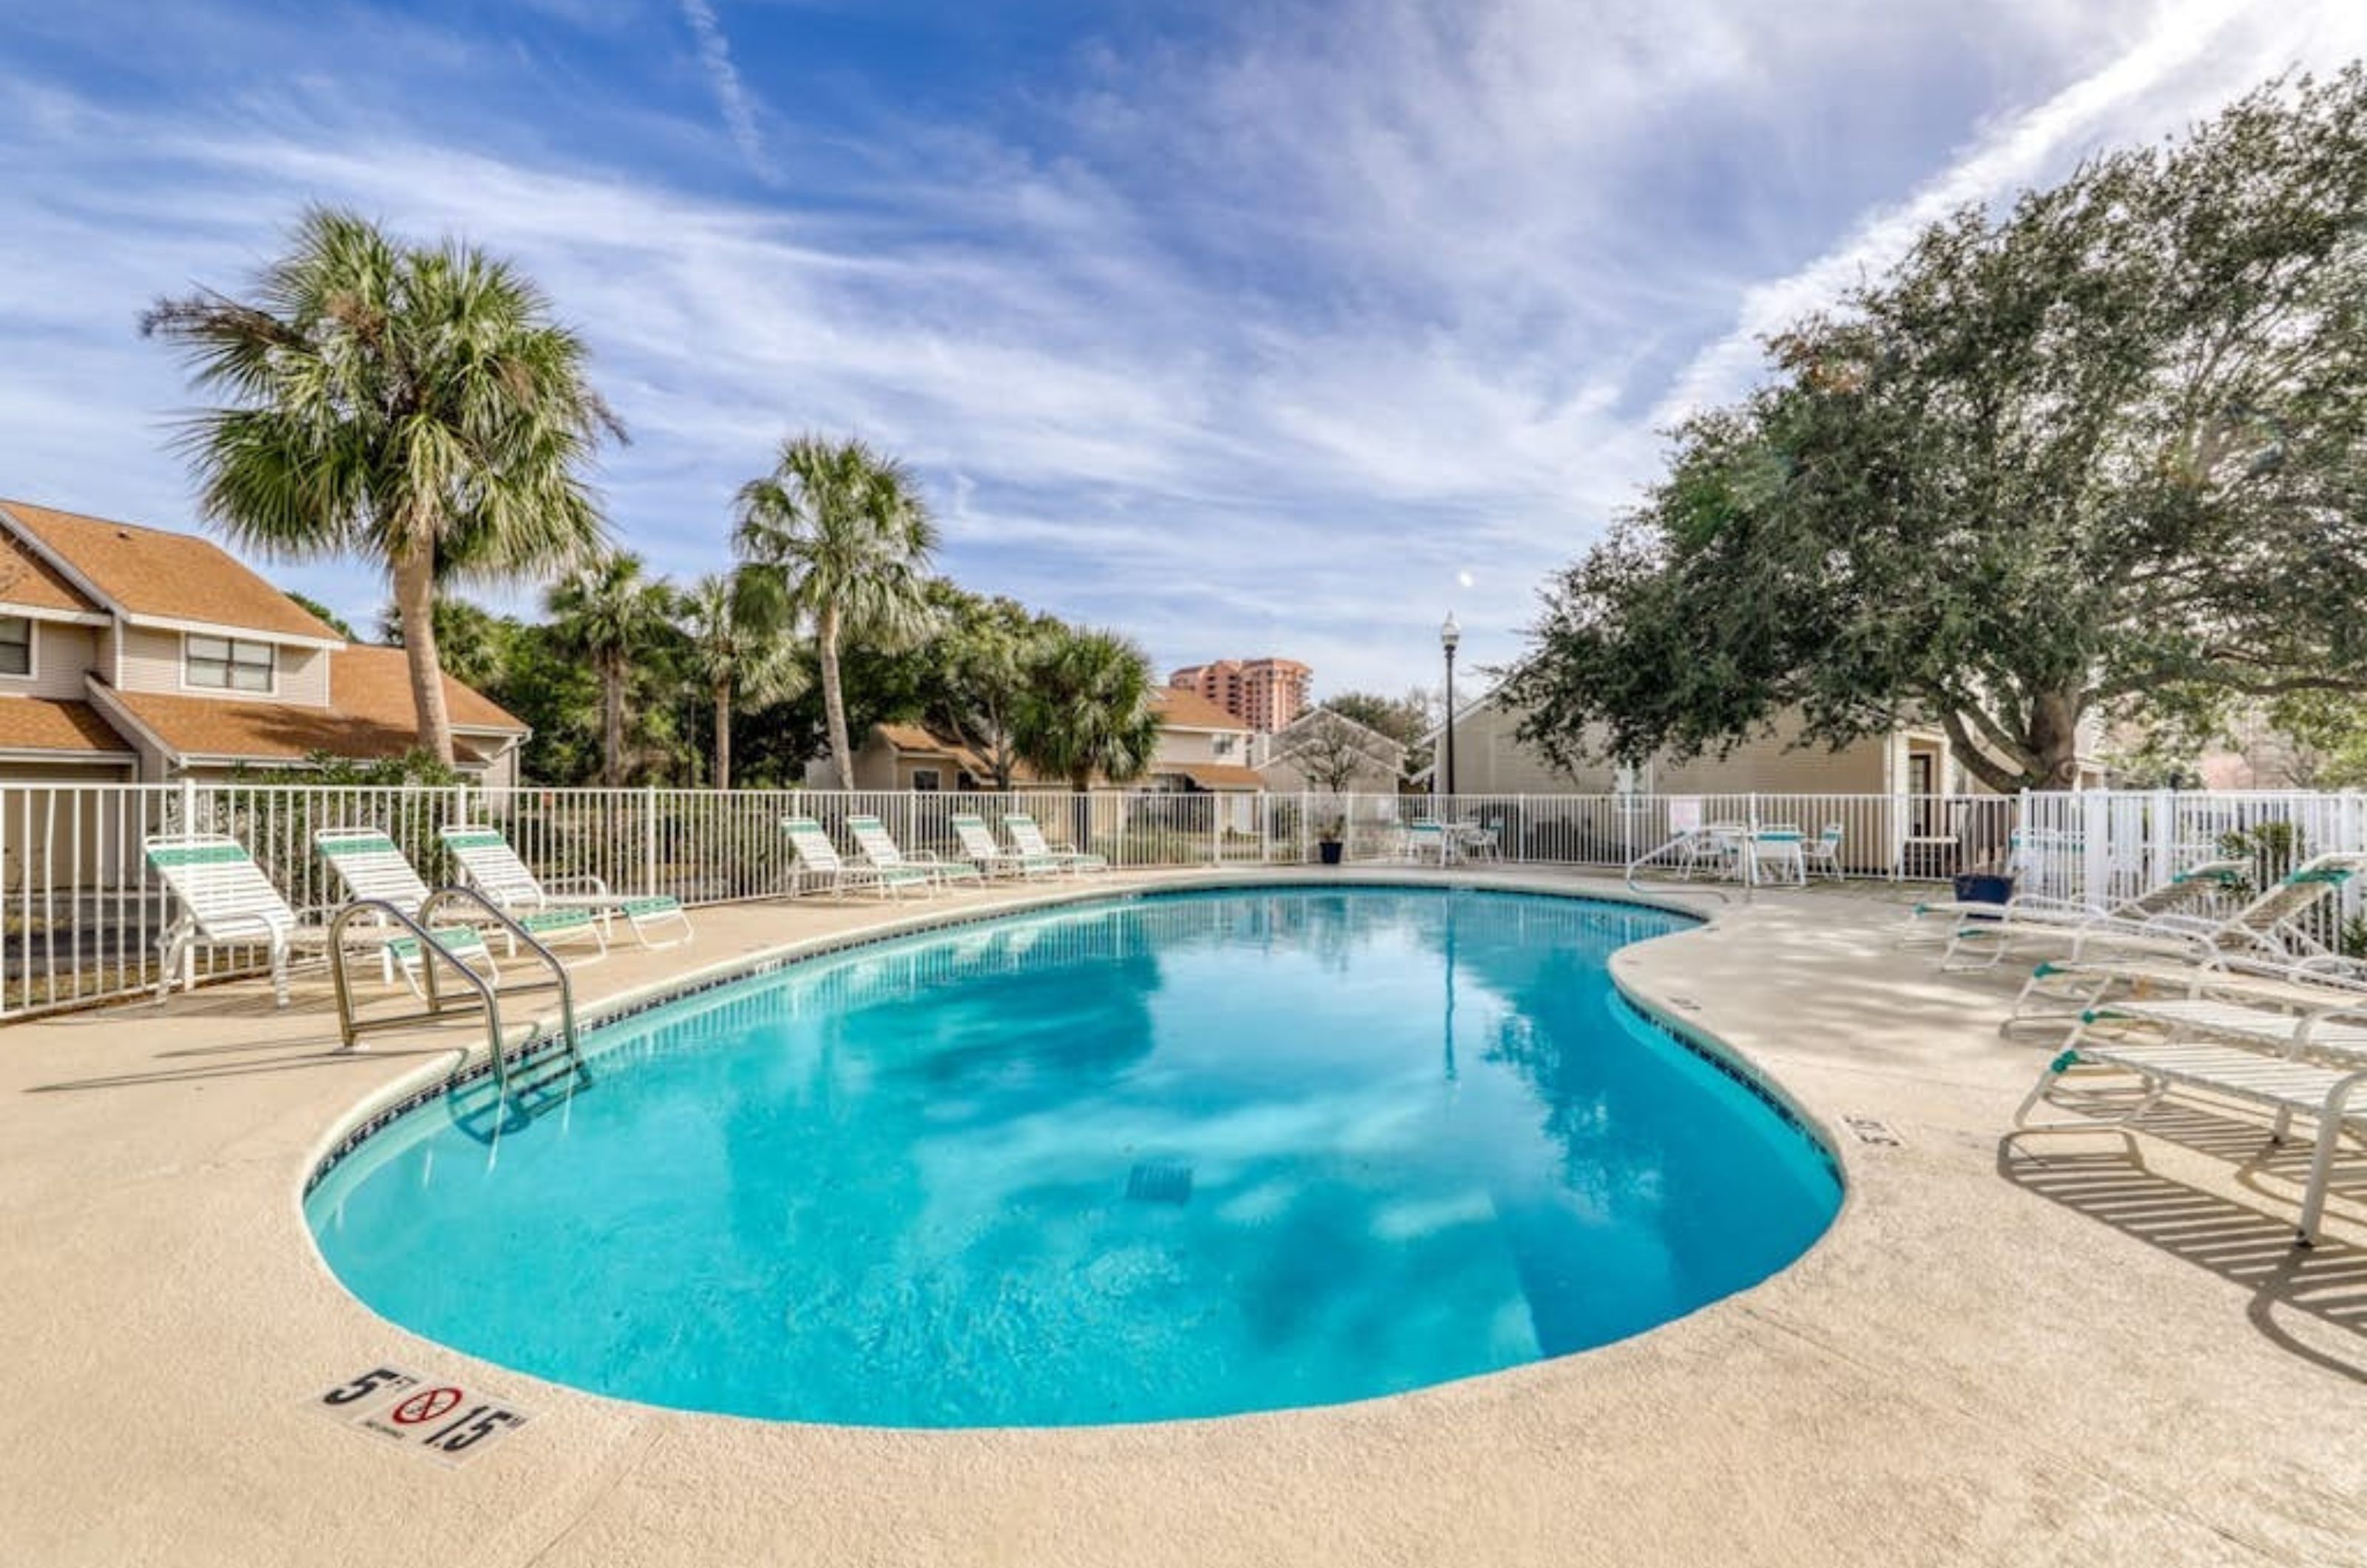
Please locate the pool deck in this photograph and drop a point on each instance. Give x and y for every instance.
(2062, 1349)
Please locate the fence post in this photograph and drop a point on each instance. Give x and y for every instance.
(649, 841)
(2096, 848)
(1265, 829)
(2161, 839)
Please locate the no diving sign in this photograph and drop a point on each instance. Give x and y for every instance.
(447, 1422)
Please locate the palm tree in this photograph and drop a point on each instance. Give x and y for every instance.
(837, 533)
(1086, 710)
(414, 405)
(734, 651)
(610, 614)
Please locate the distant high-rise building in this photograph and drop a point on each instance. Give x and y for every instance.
(1264, 694)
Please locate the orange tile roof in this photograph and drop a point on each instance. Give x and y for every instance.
(913, 738)
(371, 716)
(148, 571)
(25, 579)
(371, 682)
(40, 724)
(1180, 709)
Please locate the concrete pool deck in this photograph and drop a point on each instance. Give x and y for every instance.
(2079, 1347)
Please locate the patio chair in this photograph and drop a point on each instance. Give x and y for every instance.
(370, 865)
(2310, 1062)
(226, 901)
(1426, 839)
(1996, 928)
(493, 868)
(977, 845)
(879, 849)
(1029, 838)
(1821, 856)
(819, 858)
(2270, 928)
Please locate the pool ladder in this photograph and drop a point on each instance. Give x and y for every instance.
(433, 954)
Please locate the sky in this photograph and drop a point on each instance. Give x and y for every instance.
(1278, 327)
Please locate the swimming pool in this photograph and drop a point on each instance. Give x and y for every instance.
(1167, 1156)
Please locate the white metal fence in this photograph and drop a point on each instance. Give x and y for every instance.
(81, 913)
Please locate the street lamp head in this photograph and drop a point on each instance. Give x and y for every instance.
(1450, 634)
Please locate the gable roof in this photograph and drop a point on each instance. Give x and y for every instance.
(149, 574)
(30, 583)
(1180, 709)
(371, 680)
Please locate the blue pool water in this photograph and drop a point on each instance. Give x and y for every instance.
(1167, 1157)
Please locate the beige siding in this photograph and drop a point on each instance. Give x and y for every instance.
(62, 655)
(152, 662)
(1185, 746)
(1489, 758)
(1283, 777)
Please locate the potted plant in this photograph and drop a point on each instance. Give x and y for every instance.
(1331, 840)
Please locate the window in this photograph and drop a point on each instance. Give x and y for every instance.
(16, 645)
(1223, 746)
(926, 779)
(230, 665)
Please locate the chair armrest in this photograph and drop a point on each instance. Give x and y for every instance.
(587, 882)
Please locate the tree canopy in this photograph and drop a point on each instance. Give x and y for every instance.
(414, 405)
(2104, 453)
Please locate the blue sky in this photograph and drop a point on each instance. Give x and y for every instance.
(1255, 328)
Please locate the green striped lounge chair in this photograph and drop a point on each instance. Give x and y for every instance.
(1029, 840)
(1980, 934)
(370, 865)
(978, 846)
(224, 900)
(879, 850)
(493, 869)
(819, 862)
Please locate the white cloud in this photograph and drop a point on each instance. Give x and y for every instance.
(731, 94)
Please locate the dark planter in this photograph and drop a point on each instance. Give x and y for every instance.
(1331, 852)
(1983, 888)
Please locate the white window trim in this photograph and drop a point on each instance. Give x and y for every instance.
(233, 692)
(32, 650)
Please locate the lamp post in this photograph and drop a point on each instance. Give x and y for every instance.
(1448, 635)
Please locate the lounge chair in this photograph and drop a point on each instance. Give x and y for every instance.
(226, 901)
(2310, 1062)
(879, 849)
(977, 844)
(370, 865)
(1991, 930)
(493, 868)
(1029, 838)
(819, 858)
(2268, 931)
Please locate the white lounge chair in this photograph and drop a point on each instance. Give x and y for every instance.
(1989, 931)
(879, 849)
(493, 868)
(370, 866)
(226, 901)
(2310, 1063)
(819, 858)
(1029, 840)
(977, 844)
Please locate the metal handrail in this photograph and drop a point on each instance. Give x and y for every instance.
(561, 980)
(352, 1029)
(1680, 842)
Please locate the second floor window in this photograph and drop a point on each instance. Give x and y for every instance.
(229, 665)
(16, 645)
(1223, 746)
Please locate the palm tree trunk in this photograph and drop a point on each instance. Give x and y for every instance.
(723, 735)
(834, 700)
(414, 608)
(612, 721)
